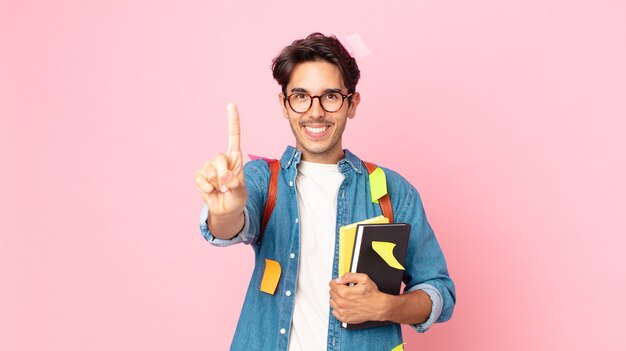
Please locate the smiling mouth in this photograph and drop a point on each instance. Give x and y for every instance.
(316, 130)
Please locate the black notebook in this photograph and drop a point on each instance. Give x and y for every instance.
(380, 252)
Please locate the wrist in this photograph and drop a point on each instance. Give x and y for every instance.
(408, 308)
(220, 219)
(226, 226)
(389, 306)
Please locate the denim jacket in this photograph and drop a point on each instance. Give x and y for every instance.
(265, 320)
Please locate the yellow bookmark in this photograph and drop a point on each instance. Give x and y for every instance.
(385, 250)
(271, 276)
(398, 348)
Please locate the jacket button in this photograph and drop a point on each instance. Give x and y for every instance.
(292, 255)
(282, 330)
(288, 292)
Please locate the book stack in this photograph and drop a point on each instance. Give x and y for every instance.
(377, 248)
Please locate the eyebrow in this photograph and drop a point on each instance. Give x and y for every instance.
(326, 91)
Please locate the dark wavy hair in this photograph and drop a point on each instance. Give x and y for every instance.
(316, 47)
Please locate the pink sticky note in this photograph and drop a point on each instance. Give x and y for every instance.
(355, 45)
(255, 157)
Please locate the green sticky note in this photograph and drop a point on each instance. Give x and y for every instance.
(378, 184)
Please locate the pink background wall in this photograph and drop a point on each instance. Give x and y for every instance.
(508, 116)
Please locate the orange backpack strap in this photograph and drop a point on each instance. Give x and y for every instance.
(384, 201)
(272, 191)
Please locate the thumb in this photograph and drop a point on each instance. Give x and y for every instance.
(349, 277)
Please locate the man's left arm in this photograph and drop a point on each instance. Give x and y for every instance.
(364, 302)
(429, 295)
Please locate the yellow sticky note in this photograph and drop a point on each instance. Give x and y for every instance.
(385, 250)
(347, 234)
(378, 184)
(398, 348)
(271, 276)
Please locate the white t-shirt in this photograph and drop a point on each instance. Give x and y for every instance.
(317, 186)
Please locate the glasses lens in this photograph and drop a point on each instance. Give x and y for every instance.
(299, 102)
(331, 102)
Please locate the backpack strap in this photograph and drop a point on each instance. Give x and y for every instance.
(272, 191)
(384, 201)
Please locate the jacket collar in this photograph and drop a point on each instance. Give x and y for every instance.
(292, 156)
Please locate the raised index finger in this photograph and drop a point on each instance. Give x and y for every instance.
(233, 127)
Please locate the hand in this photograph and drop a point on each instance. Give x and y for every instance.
(221, 181)
(359, 303)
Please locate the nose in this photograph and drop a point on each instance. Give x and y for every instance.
(316, 109)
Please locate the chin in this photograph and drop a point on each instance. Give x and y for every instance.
(318, 149)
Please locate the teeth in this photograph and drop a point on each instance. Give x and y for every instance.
(315, 130)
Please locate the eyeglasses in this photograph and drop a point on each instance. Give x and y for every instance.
(330, 102)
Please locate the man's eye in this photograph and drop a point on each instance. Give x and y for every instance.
(300, 96)
(332, 96)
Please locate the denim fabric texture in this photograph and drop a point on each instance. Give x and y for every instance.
(265, 320)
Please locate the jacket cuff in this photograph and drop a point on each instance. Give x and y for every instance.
(241, 237)
(437, 306)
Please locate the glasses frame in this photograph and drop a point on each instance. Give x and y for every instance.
(319, 98)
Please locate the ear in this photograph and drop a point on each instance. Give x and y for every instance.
(356, 99)
(281, 101)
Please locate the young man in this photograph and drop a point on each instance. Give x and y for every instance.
(321, 187)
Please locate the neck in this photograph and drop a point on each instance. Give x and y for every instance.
(327, 158)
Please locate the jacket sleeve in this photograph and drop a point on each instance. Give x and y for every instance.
(426, 267)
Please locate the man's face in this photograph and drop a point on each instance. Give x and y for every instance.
(318, 133)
